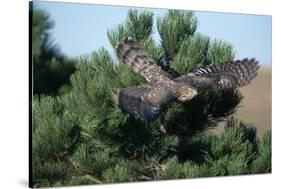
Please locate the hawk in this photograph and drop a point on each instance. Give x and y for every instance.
(146, 101)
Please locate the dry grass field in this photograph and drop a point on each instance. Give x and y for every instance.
(255, 107)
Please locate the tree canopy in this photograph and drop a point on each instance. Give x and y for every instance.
(51, 69)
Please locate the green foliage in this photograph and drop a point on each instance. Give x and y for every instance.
(48, 173)
(88, 92)
(192, 53)
(56, 133)
(138, 26)
(174, 169)
(116, 174)
(219, 52)
(262, 164)
(174, 28)
(83, 137)
(203, 112)
(91, 160)
(40, 25)
(232, 153)
(54, 128)
(51, 69)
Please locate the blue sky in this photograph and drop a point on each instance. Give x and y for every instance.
(81, 28)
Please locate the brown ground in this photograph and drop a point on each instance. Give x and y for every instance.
(255, 108)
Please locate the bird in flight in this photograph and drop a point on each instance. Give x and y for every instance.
(146, 101)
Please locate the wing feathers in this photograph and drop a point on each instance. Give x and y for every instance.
(145, 102)
(134, 101)
(135, 56)
(225, 76)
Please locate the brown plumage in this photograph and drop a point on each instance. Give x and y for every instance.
(146, 101)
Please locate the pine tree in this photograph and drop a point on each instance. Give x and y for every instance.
(51, 69)
(83, 137)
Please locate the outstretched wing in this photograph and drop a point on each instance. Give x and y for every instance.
(226, 76)
(132, 54)
(144, 102)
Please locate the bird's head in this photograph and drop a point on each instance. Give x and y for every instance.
(186, 93)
